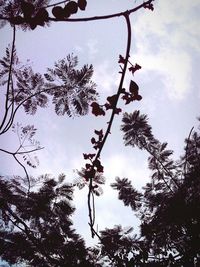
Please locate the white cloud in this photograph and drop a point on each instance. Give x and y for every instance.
(164, 42)
(92, 47)
(105, 77)
(122, 165)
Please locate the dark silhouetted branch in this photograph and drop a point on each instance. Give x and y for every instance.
(9, 80)
(128, 23)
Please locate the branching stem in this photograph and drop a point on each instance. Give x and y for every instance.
(90, 209)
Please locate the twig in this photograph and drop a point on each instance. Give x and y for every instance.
(186, 151)
(58, 3)
(21, 103)
(95, 17)
(126, 15)
(27, 176)
(120, 14)
(9, 79)
(165, 169)
(22, 152)
(12, 105)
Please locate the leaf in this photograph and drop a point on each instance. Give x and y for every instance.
(72, 89)
(133, 88)
(121, 60)
(82, 4)
(133, 69)
(97, 110)
(72, 7)
(58, 12)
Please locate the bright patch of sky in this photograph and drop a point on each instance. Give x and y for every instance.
(166, 43)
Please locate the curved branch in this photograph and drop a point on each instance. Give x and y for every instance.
(9, 79)
(12, 105)
(91, 211)
(20, 104)
(105, 16)
(146, 3)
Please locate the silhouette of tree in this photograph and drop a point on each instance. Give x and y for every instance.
(37, 230)
(169, 207)
(36, 227)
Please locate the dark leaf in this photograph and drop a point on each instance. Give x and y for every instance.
(97, 110)
(72, 7)
(82, 4)
(58, 12)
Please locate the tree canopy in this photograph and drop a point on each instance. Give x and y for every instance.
(36, 227)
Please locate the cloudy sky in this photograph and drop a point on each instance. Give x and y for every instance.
(166, 43)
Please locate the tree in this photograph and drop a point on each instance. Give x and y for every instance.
(169, 206)
(37, 230)
(38, 216)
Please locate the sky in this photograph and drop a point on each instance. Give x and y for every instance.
(166, 43)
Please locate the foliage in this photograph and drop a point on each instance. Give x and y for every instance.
(35, 224)
(37, 230)
(127, 193)
(170, 205)
(71, 89)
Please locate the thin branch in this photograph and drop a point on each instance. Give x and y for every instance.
(29, 151)
(22, 102)
(95, 17)
(126, 15)
(27, 176)
(12, 105)
(164, 168)
(9, 79)
(186, 151)
(105, 16)
(58, 3)
(27, 231)
(22, 152)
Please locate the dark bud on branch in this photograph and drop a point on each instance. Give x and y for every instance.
(82, 4)
(149, 6)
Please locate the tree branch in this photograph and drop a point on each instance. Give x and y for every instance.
(27, 176)
(9, 79)
(186, 151)
(105, 16)
(21, 103)
(164, 168)
(95, 17)
(126, 15)
(58, 3)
